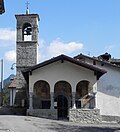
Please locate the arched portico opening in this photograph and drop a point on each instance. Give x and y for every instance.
(82, 98)
(62, 106)
(63, 95)
(41, 95)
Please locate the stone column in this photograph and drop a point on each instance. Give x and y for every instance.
(52, 100)
(73, 100)
(94, 95)
(82, 103)
(30, 101)
(94, 101)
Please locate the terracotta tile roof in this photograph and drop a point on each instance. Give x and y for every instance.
(99, 60)
(97, 70)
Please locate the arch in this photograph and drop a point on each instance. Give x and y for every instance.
(63, 98)
(82, 91)
(41, 95)
(62, 87)
(27, 32)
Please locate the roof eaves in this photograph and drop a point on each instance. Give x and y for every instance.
(62, 58)
(89, 66)
(93, 58)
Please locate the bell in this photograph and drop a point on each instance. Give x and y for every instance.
(28, 31)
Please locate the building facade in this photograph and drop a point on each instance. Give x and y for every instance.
(61, 87)
(82, 89)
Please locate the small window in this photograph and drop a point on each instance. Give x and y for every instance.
(94, 62)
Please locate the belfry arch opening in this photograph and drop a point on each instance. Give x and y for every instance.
(27, 32)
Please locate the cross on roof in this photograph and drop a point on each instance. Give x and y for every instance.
(27, 4)
(27, 10)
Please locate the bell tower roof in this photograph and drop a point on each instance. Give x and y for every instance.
(27, 15)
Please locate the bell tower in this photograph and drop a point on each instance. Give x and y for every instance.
(26, 50)
(27, 39)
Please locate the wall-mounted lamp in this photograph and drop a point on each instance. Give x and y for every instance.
(12, 67)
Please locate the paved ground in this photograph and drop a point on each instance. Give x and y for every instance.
(9, 123)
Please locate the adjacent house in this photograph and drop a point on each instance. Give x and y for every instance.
(108, 87)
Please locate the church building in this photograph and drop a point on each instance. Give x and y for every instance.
(82, 89)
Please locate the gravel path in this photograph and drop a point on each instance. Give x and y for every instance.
(10, 123)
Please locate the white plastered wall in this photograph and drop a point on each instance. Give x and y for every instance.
(108, 95)
(58, 71)
(108, 90)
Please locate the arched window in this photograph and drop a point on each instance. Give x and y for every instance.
(27, 32)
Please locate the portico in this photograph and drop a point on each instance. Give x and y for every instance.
(61, 84)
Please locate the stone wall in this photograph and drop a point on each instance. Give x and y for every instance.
(44, 113)
(85, 115)
(26, 53)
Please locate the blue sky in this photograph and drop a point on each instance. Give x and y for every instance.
(91, 27)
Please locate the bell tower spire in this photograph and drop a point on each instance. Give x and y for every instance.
(27, 8)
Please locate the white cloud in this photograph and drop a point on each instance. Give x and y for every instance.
(7, 34)
(42, 43)
(7, 37)
(10, 55)
(57, 47)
